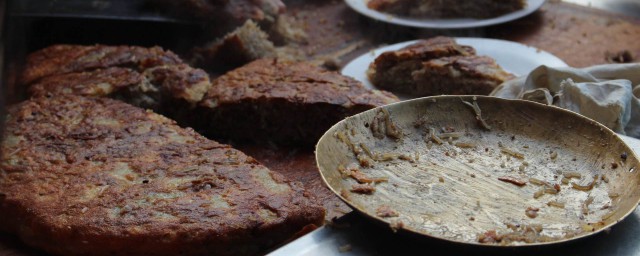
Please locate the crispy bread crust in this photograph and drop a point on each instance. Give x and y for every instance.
(283, 101)
(145, 77)
(95, 176)
(63, 59)
(96, 83)
(298, 82)
(239, 47)
(433, 48)
(436, 66)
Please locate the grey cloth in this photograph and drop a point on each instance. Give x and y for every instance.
(609, 94)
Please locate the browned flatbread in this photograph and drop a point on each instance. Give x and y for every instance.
(95, 176)
(459, 75)
(95, 83)
(145, 77)
(436, 66)
(267, 100)
(283, 101)
(62, 59)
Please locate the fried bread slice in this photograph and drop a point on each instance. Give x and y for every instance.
(96, 176)
(283, 101)
(64, 58)
(146, 77)
(436, 66)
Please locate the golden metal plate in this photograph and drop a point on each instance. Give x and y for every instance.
(532, 174)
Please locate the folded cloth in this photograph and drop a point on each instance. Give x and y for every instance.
(609, 94)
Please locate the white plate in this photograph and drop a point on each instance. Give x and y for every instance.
(361, 7)
(515, 58)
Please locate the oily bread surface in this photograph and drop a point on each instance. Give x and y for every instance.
(99, 177)
(286, 102)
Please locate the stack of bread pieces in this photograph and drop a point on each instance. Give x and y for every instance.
(89, 168)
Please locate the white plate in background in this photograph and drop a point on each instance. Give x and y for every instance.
(361, 7)
(515, 58)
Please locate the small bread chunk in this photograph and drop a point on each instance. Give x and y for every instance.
(96, 176)
(448, 9)
(436, 66)
(241, 46)
(284, 102)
